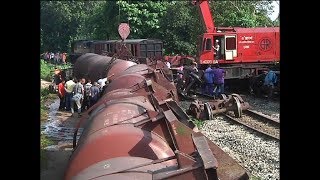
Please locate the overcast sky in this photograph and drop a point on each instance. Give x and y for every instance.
(274, 15)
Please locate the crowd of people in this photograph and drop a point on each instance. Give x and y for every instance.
(213, 79)
(79, 94)
(55, 58)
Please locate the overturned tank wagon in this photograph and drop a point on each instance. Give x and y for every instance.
(137, 130)
(94, 66)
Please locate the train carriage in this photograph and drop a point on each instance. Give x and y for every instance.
(139, 49)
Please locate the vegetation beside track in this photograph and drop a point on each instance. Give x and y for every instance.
(47, 69)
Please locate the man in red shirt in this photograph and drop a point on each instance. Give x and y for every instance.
(61, 94)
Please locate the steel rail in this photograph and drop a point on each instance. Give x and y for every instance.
(265, 118)
(252, 128)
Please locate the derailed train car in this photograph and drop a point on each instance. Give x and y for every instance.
(138, 131)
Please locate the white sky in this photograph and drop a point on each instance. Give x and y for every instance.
(274, 15)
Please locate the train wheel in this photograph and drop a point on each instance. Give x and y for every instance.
(237, 111)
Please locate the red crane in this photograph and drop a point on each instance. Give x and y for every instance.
(241, 51)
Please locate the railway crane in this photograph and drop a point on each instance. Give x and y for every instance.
(243, 52)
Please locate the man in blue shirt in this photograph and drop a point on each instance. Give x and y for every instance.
(208, 77)
(270, 81)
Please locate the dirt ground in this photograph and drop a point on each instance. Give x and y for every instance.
(44, 83)
(58, 157)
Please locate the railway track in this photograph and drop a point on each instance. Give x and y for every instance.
(258, 122)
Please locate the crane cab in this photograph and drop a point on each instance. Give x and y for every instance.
(217, 47)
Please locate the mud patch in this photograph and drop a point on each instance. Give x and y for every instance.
(59, 128)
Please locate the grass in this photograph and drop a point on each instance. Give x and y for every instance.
(197, 122)
(47, 69)
(252, 177)
(45, 96)
(44, 142)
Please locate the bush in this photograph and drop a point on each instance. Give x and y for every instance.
(199, 123)
(45, 95)
(47, 69)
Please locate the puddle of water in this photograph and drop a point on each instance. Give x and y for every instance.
(54, 128)
(52, 121)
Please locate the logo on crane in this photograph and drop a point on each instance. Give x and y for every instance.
(265, 44)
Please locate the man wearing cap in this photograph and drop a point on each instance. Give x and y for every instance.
(216, 48)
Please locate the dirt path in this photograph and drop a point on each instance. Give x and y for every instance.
(45, 84)
(58, 154)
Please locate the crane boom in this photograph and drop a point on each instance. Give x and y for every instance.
(204, 8)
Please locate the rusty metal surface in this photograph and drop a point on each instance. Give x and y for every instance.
(138, 69)
(125, 81)
(125, 110)
(125, 165)
(138, 121)
(209, 161)
(138, 143)
(151, 73)
(118, 67)
(117, 93)
(93, 66)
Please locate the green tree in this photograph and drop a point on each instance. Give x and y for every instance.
(177, 23)
(180, 28)
(61, 22)
(103, 24)
(242, 13)
(143, 17)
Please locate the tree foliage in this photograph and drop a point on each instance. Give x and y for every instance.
(176, 23)
(242, 13)
(61, 22)
(143, 16)
(180, 28)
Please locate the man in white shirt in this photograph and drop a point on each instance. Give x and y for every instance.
(216, 48)
(168, 64)
(103, 81)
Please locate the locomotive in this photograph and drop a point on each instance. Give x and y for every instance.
(137, 130)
